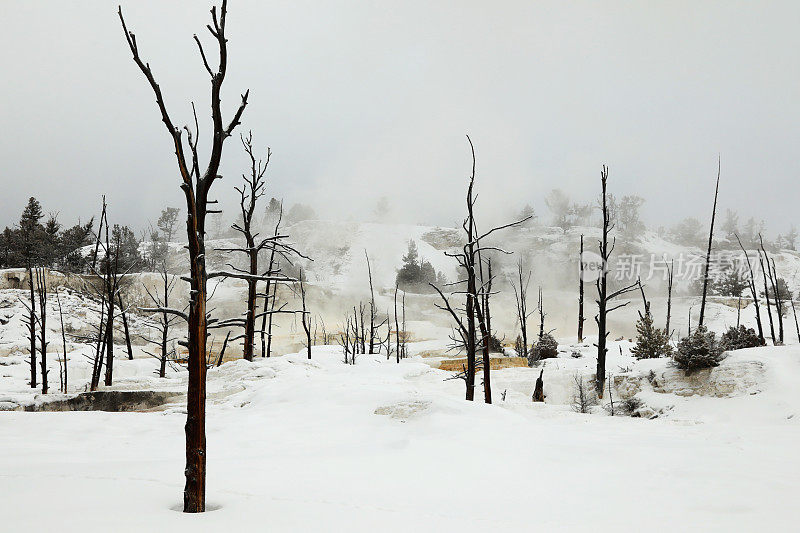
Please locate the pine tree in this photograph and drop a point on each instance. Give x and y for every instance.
(698, 350)
(651, 342)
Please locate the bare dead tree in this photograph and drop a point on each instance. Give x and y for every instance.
(468, 260)
(270, 291)
(766, 297)
(196, 187)
(222, 351)
(581, 320)
(710, 240)
(41, 289)
(249, 194)
(483, 315)
(373, 326)
(670, 278)
(124, 313)
(62, 367)
(31, 321)
(772, 274)
(603, 295)
(166, 321)
(305, 315)
(753, 291)
(396, 326)
(520, 288)
(796, 324)
(404, 338)
(542, 314)
(273, 301)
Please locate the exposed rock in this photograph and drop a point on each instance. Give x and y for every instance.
(404, 410)
(111, 401)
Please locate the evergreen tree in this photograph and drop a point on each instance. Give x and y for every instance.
(698, 350)
(651, 342)
(31, 234)
(124, 248)
(738, 338)
(731, 283)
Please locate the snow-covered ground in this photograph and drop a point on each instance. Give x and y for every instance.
(319, 445)
(298, 445)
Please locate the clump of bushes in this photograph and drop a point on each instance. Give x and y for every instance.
(698, 350)
(546, 348)
(651, 342)
(738, 338)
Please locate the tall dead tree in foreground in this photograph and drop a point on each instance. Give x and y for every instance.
(753, 291)
(581, 320)
(468, 260)
(520, 288)
(603, 295)
(708, 251)
(196, 185)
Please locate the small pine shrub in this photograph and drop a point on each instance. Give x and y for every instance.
(738, 338)
(651, 342)
(698, 350)
(546, 348)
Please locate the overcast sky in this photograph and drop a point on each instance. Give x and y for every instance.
(358, 99)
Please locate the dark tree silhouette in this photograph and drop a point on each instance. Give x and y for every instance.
(710, 240)
(196, 185)
(603, 295)
(469, 260)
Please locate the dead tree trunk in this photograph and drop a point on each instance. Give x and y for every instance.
(753, 292)
(670, 278)
(580, 295)
(196, 186)
(396, 326)
(482, 314)
(521, 297)
(766, 297)
(41, 288)
(371, 307)
(269, 288)
(538, 391)
(468, 259)
(542, 314)
(32, 327)
(161, 301)
(603, 296)
(222, 351)
(249, 194)
(63, 366)
(306, 316)
(124, 315)
(273, 302)
(111, 290)
(708, 251)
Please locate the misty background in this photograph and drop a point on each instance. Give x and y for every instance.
(360, 100)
